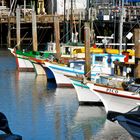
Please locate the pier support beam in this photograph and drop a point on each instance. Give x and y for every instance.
(57, 36)
(87, 50)
(18, 26)
(137, 52)
(34, 30)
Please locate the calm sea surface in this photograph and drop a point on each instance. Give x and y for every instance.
(36, 113)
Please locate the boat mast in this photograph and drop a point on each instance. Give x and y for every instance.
(121, 24)
(71, 20)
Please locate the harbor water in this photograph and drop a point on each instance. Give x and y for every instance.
(36, 113)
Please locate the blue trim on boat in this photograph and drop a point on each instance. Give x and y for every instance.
(79, 84)
(75, 71)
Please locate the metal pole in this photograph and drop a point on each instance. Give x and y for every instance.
(18, 26)
(121, 25)
(71, 26)
(24, 7)
(52, 7)
(80, 27)
(64, 24)
(34, 30)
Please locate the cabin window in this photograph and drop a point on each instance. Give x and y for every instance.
(98, 59)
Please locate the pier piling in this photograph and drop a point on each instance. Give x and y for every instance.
(137, 52)
(18, 26)
(57, 35)
(87, 50)
(34, 30)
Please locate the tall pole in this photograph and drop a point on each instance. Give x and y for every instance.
(18, 26)
(52, 7)
(34, 30)
(80, 27)
(137, 52)
(87, 50)
(24, 8)
(57, 36)
(64, 24)
(67, 26)
(71, 23)
(121, 25)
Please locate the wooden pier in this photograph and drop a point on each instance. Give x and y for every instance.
(28, 31)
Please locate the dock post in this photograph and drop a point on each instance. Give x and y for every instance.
(137, 52)
(18, 26)
(34, 30)
(57, 36)
(87, 50)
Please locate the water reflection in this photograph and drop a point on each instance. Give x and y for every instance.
(113, 131)
(36, 113)
(88, 121)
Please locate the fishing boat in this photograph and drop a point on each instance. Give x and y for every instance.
(117, 96)
(22, 58)
(101, 63)
(129, 121)
(38, 62)
(39, 70)
(84, 95)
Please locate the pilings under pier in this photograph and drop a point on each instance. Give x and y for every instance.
(137, 52)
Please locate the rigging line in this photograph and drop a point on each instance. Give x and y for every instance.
(11, 8)
(43, 34)
(96, 28)
(14, 5)
(90, 70)
(129, 30)
(21, 39)
(115, 25)
(114, 29)
(68, 33)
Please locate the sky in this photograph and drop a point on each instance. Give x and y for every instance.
(80, 4)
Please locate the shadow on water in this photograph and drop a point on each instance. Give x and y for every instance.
(51, 85)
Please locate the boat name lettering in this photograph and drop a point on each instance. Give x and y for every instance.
(112, 90)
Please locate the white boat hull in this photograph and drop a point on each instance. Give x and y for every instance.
(60, 79)
(38, 69)
(24, 64)
(84, 94)
(114, 99)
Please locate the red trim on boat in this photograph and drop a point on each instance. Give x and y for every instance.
(115, 94)
(38, 60)
(17, 63)
(26, 69)
(65, 85)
